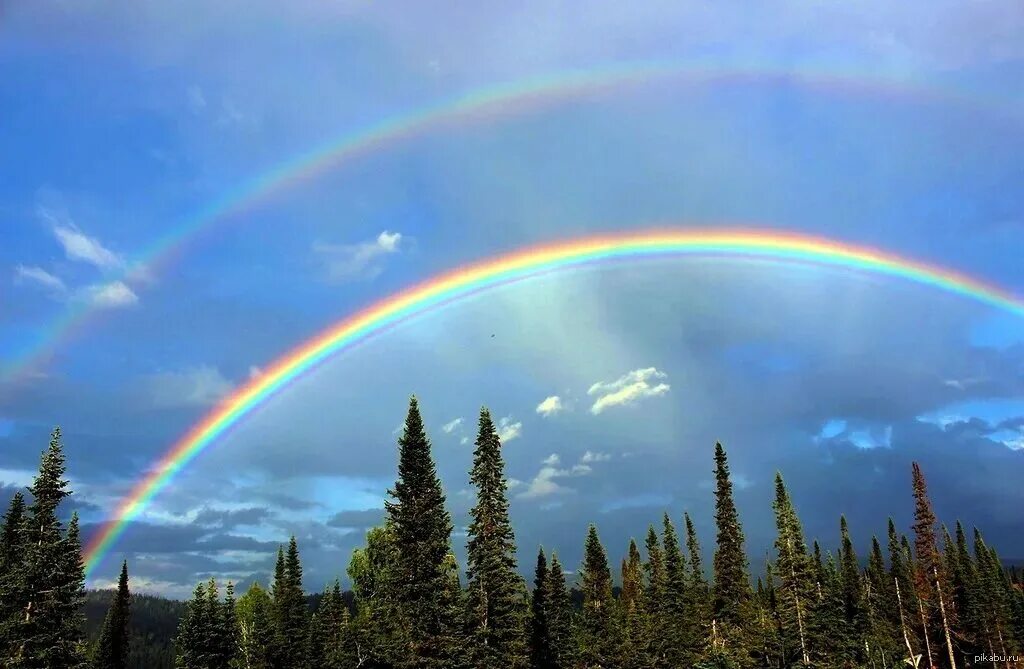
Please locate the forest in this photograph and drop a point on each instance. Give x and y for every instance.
(932, 597)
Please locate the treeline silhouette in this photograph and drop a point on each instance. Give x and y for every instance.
(937, 599)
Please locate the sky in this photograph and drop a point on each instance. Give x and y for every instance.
(897, 127)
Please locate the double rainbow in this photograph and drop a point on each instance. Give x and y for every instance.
(492, 272)
(481, 104)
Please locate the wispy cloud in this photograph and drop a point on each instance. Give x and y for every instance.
(196, 386)
(40, 277)
(110, 295)
(451, 425)
(545, 483)
(550, 406)
(363, 260)
(80, 247)
(627, 389)
(509, 430)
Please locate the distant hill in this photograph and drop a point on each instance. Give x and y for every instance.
(154, 623)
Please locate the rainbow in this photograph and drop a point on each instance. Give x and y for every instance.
(484, 104)
(492, 272)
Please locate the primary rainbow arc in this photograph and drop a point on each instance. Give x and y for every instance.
(489, 273)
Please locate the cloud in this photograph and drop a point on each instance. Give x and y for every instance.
(41, 277)
(550, 406)
(358, 519)
(451, 425)
(197, 386)
(627, 389)
(507, 430)
(80, 247)
(363, 260)
(544, 483)
(110, 295)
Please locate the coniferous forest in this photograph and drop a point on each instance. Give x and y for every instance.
(933, 596)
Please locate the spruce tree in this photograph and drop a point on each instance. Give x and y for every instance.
(596, 634)
(654, 599)
(377, 631)
(13, 587)
(541, 656)
(796, 592)
(852, 592)
(292, 614)
(880, 601)
(635, 625)
(673, 610)
(48, 632)
(494, 625)
(926, 563)
(698, 601)
(193, 641)
(326, 637)
(229, 627)
(560, 617)
(112, 647)
(422, 528)
(731, 593)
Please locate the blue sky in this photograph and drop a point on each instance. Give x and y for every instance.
(122, 120)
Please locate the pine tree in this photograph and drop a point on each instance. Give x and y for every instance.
(291, 613)
(673, 613)
(422, 528)
(559, 616)
(255, 628)
(993, 604)
(229, 627)
(654, 599)
(731, 593)
(541, 656)
(880, 601)
(495, 631)
(596, 633)
(13, 588)
(795, 595)
(635, 624)
(328, 630)
(48, 632)
(852, 592)
(112, 647)
(926, 562)
(964, 583)
(193, 642)
(698, 601)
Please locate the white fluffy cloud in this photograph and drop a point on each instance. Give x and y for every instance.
(627, 389)
(111, 295)
(196, 386)
(451, 425)
(41, 277)
(544, 484)
(363, 260)
(550, 406)
(509, 430)
(81, 247)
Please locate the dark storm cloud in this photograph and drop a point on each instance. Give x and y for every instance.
(231, 518)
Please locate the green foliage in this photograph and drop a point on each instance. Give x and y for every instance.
(597, 637)
(422, 527)
(256, 634)
(541, 654)
(112, 649)
(560, 617)
(494, 624)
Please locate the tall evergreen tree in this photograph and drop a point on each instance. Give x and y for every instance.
(541, 656)
(880, 601)
(13, 587)
(698, 601)
(635, 624)
(673, 614)
(654, 599)
(327, 634)
(926, 562)
(852, 588)
(731, 593)
(597, 639)
(229, 627)
(559, 617)
(795, 595)
(112, 647)
(378, 632)
(48, 632)
(494, 625)
(291, 612)
(422, 528)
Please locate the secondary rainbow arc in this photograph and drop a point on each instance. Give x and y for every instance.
(483, 102)
(489, 273)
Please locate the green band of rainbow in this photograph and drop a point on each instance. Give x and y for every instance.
(449, 287)
(484, 103)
